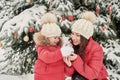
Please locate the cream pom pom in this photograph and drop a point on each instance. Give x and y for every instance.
(89, 15)
(84, 26)
(49, 25)
(48, 18)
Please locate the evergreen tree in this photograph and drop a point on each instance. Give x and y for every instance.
(17, 35)
(20, 19)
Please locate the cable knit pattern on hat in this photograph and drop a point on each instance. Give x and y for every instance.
(50, 27)
(84, 26)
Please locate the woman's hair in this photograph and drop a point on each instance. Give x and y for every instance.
(79, 49)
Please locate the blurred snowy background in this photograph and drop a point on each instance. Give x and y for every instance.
(20, 19)
(13, 77)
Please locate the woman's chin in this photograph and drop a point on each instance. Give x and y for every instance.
(75, 44)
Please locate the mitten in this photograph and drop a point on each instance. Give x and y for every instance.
(67, 50)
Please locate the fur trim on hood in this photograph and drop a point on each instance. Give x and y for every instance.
(42, 40)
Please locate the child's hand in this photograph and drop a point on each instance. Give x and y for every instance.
(67, 61)
(73, 57)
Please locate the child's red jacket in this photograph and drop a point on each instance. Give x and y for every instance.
(49, 65)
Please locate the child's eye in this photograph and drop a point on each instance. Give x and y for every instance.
(55, 37)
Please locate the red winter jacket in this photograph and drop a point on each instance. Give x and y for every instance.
(49, 65)
(94, 67)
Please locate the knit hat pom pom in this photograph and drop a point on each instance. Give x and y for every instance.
(48, 18)
(49, 25)
(90, 16)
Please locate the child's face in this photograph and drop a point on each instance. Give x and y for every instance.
(54, 40)
(75, 38)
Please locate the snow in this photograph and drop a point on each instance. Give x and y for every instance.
(11, 77)
(24, 20)
(22, 77)
(14, 77)
(17, 77)
(29, 17)
(1, 53)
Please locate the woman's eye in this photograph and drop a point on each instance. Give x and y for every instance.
(78, 35)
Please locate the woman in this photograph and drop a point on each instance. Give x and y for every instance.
(87, 60)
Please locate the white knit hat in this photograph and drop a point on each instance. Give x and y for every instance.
(84, 26)
(50, 27)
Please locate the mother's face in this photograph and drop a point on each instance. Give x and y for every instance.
(75, 38)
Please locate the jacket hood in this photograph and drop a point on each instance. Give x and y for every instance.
(40, 39)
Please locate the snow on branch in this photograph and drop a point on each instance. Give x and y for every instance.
(25, 19)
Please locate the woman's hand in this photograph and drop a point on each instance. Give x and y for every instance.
(73, 57)
(67, 61)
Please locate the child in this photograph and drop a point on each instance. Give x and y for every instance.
(50, 64)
